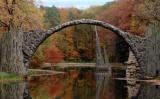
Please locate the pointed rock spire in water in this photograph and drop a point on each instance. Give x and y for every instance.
(99, 57)
(101, 61)
(106, 61)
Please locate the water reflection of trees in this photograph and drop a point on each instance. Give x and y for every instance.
(104, 86)
(107, 88)
(84, 86)
(81, 85)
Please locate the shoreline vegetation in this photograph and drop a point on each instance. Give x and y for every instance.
(10, 77)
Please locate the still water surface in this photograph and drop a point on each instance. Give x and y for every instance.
(75, 84)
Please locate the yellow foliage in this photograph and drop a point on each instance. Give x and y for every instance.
(24, 13)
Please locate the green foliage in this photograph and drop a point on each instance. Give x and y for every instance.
(52, 16)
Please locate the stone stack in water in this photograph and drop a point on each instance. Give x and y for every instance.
(133, 69)
(101, 63)
(101, 60)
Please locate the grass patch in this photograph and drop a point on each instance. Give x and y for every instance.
(10, 77)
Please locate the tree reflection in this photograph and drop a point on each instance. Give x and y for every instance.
(84, 86)
(104, 86)
(14, 91)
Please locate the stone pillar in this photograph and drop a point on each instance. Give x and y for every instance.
(133, 68)
(14, 91)
(11, 57)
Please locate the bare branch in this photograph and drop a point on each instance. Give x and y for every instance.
(7, 6)
(3, 24)
(13, 7)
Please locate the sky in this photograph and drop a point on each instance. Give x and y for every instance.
(81, 4)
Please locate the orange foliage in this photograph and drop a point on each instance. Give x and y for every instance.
(72, 54)
(73, 74)
(55, 89)
(53, 55)
(63, 15)
(122, 15)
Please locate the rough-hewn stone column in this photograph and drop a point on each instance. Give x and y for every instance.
(11, 57)
(14, 91)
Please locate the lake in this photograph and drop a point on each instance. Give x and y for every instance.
(79, 84)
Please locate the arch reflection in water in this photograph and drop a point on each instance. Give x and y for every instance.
(14, 91)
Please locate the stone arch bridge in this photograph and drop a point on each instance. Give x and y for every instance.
(33, 39)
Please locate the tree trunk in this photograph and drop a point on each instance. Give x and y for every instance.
(11, 52)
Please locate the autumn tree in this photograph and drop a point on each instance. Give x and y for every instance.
(40, 55)
(149, 10)
(70, 53)
(83, 37)
(15, 17)
(120, 13)
(53, 55)
(22, 13)
(38, 58)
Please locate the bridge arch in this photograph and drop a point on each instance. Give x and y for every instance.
(33, 39)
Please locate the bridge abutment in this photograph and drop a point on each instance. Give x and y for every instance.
(11, 56)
